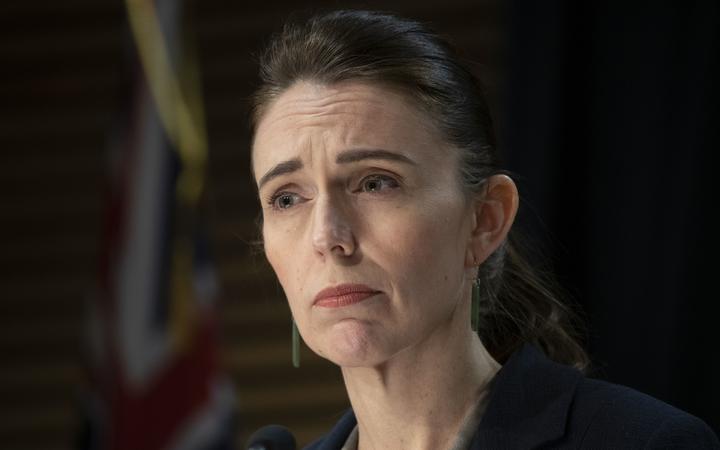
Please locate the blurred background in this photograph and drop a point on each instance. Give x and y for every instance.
(606, 112)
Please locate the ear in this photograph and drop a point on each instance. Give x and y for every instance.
(493, 213)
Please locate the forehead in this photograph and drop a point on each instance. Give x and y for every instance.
(310, 118)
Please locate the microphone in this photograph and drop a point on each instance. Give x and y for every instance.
(272, 437)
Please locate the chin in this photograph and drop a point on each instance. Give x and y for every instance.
(351, 343)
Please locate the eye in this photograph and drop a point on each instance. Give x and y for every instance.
(377, 183)
(284, 200)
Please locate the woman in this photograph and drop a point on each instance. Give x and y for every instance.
(388, 221)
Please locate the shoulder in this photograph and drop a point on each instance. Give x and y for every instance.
(538, 403)
(613, 416)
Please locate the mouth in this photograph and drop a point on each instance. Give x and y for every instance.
(343, 295)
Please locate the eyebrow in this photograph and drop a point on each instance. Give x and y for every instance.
(346, 157)
(361, 154)
(282, 168)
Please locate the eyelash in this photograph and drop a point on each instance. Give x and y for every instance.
(272, 200)
(378, 177)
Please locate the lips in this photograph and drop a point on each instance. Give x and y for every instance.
(343, 295)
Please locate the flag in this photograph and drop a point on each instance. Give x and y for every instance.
(154, 358)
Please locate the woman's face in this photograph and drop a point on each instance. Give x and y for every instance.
(365, 223)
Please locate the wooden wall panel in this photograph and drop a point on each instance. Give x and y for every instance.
(61, 77)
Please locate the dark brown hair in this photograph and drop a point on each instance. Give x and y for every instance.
(518, 303)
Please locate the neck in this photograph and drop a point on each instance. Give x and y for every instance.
(419, 398)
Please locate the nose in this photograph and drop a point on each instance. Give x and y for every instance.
(332, 231)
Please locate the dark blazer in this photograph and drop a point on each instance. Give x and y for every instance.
(536, 403)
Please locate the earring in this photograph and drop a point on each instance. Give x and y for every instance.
(475, 306)
(295, 345)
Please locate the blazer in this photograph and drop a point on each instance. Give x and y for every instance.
(537, 403)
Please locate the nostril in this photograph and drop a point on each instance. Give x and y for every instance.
(333, 236)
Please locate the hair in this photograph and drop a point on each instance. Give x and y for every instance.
(518, 303)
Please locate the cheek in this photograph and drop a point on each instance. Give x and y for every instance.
(284, 250)
(279, 251)
(272, 249)
(424, 236)
(432, 257)
(423, 249)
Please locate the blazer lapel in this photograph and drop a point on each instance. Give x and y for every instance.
(336, 438)
(529, 402)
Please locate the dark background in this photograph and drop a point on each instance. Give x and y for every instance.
(611, 121)
(607, 113)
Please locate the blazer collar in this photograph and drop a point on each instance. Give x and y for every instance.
(529, 404)
(336, 438)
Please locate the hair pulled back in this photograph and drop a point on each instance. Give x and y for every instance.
(518, 303)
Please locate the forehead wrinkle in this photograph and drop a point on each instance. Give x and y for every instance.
(313, 127)
(344, 114)
(302, 109)
(322, 96)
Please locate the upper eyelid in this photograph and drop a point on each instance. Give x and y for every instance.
(377, 176)
(293, 187)
(378, 172)
(396, 178)
(270, 191)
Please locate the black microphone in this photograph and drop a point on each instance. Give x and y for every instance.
(272, 437)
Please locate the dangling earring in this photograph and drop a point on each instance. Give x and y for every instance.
(475, 306)
(295, 345)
